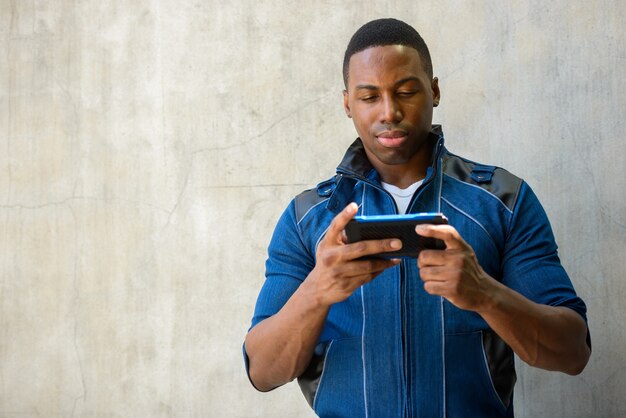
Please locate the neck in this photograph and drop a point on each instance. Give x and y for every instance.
(405, 174)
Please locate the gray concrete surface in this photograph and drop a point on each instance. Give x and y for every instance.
(148, 147)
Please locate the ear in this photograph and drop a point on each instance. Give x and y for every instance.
(436, 92)
(346, 105)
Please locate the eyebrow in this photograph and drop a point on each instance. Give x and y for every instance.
(396, 84)
(366, 87)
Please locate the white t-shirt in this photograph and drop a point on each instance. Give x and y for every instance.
(402, 196)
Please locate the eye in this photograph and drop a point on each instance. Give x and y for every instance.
(407, 93)
(368, 99)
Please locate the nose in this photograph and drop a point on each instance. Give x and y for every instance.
(390, 112)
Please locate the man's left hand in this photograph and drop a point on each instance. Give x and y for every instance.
(454, 273)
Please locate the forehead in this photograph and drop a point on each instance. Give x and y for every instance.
(381, 64)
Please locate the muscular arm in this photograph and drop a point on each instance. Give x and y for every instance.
(280, 347)
(551, 338)
(548, 337)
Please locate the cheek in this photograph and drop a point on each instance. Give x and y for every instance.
(361, 122)
(421, 113)
(360, 130)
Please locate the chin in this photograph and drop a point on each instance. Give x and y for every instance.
(396, 159)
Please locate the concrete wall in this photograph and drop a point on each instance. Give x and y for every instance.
(148, 147)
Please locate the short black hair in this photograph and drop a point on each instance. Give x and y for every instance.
(382, 32)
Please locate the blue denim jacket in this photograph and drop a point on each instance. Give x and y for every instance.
(391, 349)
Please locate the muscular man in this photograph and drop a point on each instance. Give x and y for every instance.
(432, 336)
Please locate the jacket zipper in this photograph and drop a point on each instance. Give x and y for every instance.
(405, 352)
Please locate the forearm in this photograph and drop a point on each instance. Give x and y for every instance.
(551, 338)
(280, 347)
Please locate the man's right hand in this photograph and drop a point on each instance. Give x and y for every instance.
(280, 347)
(339, 271)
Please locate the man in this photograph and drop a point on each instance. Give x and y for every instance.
(428, 337)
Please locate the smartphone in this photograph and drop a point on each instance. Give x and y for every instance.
(397, 226)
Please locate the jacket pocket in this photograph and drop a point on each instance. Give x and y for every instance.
(470, 391)
(340, 388)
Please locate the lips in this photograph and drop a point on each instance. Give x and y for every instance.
(391, 139)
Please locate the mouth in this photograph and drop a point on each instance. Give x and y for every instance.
(391, 139)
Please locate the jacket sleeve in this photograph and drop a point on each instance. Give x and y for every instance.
(531, 264)
(288, 263)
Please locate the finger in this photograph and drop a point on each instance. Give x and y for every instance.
(361, 272)
(339, 222)
(367, 267)
(431, 258)
(344, 237)
(436, 274)
(435, 288)
(371, 247)
(447, 233)
(447, 257)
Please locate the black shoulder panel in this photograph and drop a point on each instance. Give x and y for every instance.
(497, 181)
(309, 198)
(305, 201)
